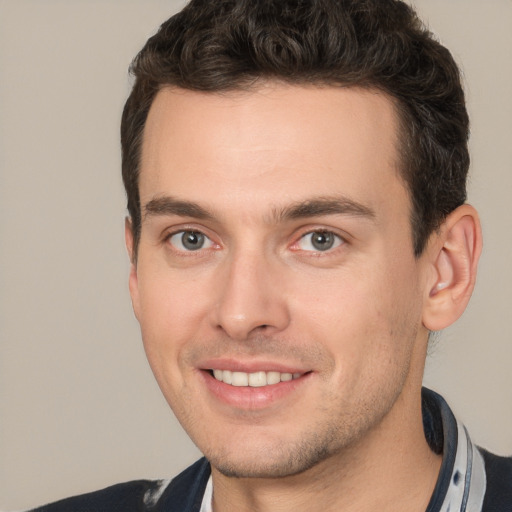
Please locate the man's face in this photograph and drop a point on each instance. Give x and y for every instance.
(276, 245)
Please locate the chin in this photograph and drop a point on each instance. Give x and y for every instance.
(271, 462)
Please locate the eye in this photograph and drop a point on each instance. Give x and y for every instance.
(319, 241)
(190, 241)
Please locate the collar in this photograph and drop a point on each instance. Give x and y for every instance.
(206, 505)
(461, 482)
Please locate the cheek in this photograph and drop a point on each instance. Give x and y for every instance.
(169, 300)
(171, 313)
(363, 317)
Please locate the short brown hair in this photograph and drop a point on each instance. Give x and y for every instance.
(223, 45)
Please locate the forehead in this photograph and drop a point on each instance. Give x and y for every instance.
(274, 144)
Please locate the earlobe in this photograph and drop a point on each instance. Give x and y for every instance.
(133, 279)
(454, 255)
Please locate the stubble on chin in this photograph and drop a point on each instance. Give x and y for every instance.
(321, 442)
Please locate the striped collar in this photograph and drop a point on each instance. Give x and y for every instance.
(462, 481)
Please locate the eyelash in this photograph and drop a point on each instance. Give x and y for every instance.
(337, 241)
(182, 232)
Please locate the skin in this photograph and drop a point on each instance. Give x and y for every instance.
(245, 169)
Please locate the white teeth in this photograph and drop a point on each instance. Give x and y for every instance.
(254, 380)
(273, 378)
(257, 379)
(239, 379)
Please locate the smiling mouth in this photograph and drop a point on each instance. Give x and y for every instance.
(253, 380)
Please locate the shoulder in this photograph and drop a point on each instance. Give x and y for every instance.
(181, 494)
(128, 496)
(498, 495)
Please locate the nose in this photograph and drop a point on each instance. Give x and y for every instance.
(251, 297)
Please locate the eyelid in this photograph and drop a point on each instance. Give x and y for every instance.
(180, 230)
(178, 243)
(341, 240)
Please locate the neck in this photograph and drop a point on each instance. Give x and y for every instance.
(391, 469)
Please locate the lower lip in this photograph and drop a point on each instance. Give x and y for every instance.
(249, 398)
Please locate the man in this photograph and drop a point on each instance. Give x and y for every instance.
(297, 228)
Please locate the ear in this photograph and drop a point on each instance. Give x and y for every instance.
(133, 282)
(454, 252)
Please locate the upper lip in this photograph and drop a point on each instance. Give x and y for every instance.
(252, 366)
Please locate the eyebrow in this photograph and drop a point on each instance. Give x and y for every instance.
(169, 206)
(316, 207)
(332, 205)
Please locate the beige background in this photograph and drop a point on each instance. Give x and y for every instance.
(78, 406)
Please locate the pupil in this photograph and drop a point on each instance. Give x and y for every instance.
(322, 241)
(192, 240)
